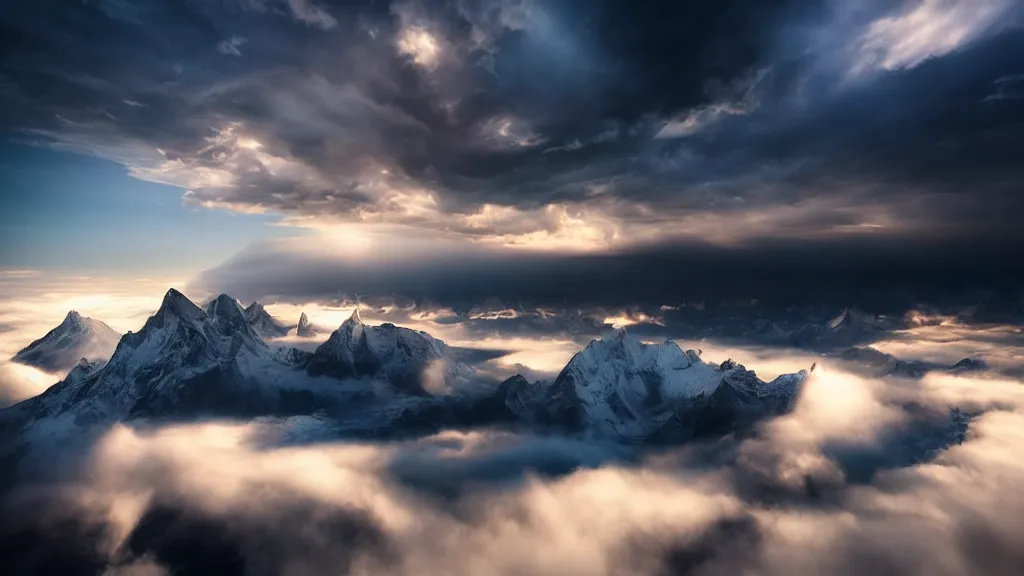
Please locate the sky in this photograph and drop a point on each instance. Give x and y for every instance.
(68, 213)
(546, 152)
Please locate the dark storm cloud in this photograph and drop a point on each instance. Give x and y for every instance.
(883, 275)
(781, 119)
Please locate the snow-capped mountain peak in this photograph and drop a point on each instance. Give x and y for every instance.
(226, 315)
(183, 359)
(224, 304)
(74, 338)
(396, 354)
(263, 323)
(176, 306)
(682, 373)
(354, 319)
(72, 319)
(622, 387)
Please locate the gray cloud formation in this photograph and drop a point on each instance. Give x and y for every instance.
(550, 124)
(880, 275)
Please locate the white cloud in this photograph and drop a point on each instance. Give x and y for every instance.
(926, 29)
(699, 119)
(230, 46)
(420, 45)
(313, 15)
(305, 11)
(507, 131)
(948, 514)
(1009, 87)
(736, 99)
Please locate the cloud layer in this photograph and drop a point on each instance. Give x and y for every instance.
(864, 475)
(545, 124)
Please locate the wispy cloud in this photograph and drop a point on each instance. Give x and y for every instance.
(926, 29)
(231, 46)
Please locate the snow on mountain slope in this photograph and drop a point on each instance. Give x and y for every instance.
(75, 338)
(411, 361)
(188, 361)
(622, 388)
(263, 323)
(183, 360)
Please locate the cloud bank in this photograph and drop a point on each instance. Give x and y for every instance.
(865, 474)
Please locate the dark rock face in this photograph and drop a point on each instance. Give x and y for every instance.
(304, 329)
(969, 365)
(873, 363)
(514, 400)
(263, 323)
(294, 356)
(561, 406)
(399, 356)
(851, 328)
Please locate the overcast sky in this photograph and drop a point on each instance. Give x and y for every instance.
(542, 150)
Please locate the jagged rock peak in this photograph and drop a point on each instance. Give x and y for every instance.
(177, 304)
(399, 355)
(265, 325)
(224, 305)
(227, 315)
(304, 328)
(354, 318)
(517, 380)
(625, 388)
(73, 318)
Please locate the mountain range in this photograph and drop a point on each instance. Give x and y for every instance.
(637, 392)
(189, 361)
